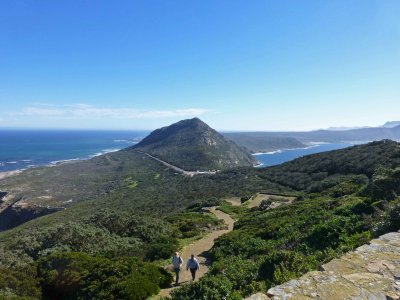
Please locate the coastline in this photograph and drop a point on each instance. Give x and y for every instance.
(9, 173)
(277, 157)
(312, 145)
(6, 174)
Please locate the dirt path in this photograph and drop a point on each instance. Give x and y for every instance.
(235, 201)
(200, 249)
(256, 201)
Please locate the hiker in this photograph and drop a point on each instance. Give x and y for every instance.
(177, 263)
(193, 265)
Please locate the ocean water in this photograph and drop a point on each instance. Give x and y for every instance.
(281, 156)
(21, 149)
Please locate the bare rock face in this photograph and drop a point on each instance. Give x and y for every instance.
(372, 271)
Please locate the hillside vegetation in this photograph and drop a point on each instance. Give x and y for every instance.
(143, 212)
(193, 145)
(357, 199)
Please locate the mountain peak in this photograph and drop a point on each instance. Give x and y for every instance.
(194, 122)
(391, 124)
(193, 145)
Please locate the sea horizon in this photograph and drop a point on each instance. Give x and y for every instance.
(23, 149)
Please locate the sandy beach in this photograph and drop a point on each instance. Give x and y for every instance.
(9, 173)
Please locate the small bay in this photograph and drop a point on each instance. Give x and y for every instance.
(280, 156)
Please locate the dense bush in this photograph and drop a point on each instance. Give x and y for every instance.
(237, 244)
(106, 232)
(81, 276)
(126, 224)
(347, 196)
(74, 236)
(18, 284)
(277, 245)
(281, 266)
(388, 219)
(385, 184)
(207, 288)
(240, 271)
(191, 224)
(198, 206)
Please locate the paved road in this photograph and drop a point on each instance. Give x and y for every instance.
(177, 169)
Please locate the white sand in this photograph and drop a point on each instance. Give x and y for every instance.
(9, 173)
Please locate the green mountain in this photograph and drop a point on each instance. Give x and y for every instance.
(391, 124)
(390, 130)
(254, 142)
(193, 145)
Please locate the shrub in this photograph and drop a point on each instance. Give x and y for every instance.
(81, 276)
(388, 219)
(281, 266)
(207, 288)
(240, 271)
(18, 284)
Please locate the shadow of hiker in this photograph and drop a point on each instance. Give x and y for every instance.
(207, 256)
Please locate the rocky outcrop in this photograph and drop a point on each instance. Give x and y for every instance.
(372, 271)
(258, 296)
(17, 214)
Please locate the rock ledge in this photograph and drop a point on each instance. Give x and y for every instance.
(371, 271)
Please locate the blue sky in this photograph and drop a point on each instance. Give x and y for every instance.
(238, 65)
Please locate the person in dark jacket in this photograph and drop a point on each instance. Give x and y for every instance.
(192, 265)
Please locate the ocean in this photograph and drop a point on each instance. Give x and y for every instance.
(280, 156)
(21, 149)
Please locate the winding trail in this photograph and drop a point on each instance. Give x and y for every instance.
(200, 248)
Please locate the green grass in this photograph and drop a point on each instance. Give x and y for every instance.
(235, 211)
(133, 185)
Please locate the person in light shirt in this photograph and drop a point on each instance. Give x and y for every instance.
(177, 262)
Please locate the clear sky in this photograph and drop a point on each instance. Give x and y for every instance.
(238, 65)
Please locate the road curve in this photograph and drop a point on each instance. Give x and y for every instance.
(177, 169)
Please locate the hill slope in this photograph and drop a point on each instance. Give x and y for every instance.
(313, 172)
(351, 135)
(193, 145)
(348, 197)
(141, 208)
(258, 143)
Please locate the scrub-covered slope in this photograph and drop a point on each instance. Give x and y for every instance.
(193, 145)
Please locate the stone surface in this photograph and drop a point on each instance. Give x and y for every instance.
(372, 272)
(258, 296)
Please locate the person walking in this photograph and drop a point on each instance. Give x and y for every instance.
(177, 262)
(192, 265)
